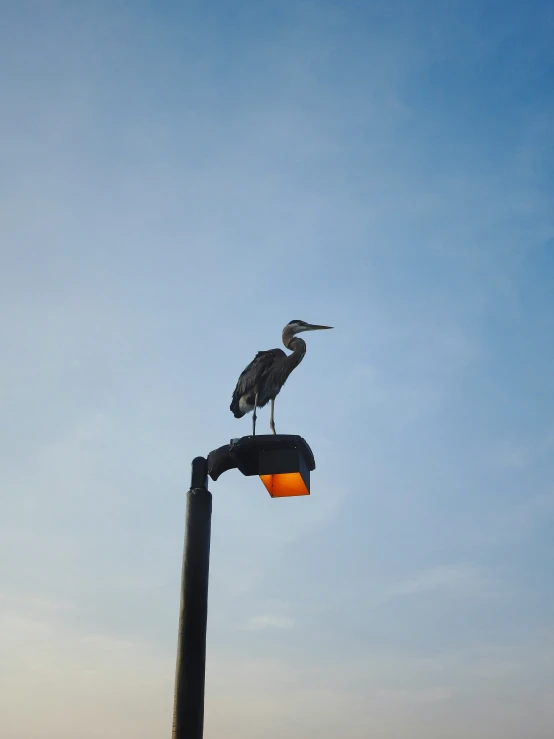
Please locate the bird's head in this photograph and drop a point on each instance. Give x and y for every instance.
(296, 327)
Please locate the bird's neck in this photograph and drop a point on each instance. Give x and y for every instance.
(287, 336)
(298, 348)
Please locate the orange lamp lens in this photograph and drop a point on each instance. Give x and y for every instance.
(285, 485)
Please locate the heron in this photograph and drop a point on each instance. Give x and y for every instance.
(266, 374)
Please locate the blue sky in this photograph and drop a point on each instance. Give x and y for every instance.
(178, 181)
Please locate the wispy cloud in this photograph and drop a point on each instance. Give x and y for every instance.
(454, 580)
(416, 695)
(520, 520)
(512, 455)
(112, 685)
(521, 453)
(269, 621)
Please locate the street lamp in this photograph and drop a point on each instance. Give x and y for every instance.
(283, 463)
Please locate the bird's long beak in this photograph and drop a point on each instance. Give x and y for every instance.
(314, 327)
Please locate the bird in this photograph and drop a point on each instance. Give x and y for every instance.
(266, 374)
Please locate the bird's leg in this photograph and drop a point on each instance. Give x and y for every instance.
(254, 416)
(271, 419)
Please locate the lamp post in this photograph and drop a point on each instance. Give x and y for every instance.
(283, 463)
(188, 706)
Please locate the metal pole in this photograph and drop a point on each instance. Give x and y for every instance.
(188, 708)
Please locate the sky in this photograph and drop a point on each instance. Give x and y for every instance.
(178, 180)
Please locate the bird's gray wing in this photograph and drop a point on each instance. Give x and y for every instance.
(251, 375)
